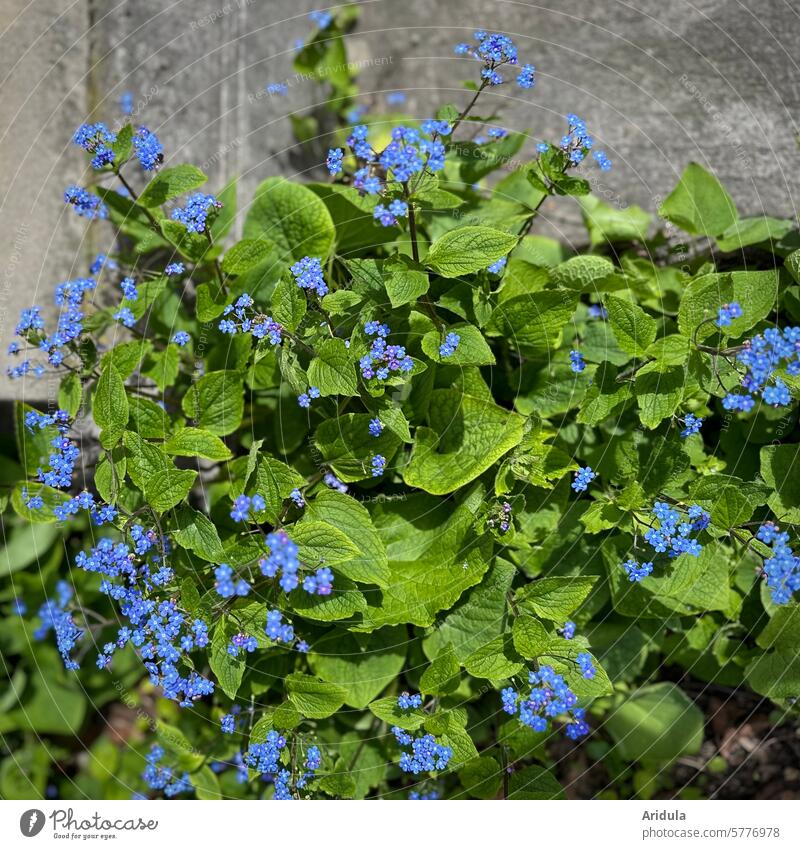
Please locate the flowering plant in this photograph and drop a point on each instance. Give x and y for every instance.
(390, 494)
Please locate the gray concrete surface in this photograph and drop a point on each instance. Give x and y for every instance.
(660, 83)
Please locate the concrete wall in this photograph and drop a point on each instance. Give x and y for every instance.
(660, 83)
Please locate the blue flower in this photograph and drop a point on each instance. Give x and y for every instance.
(568, 630)
(782, 568)
(407, 701)
(498, 266)
(148, 149)
(526, 78)
(728, 312)
(334, 160)
(307, 273)
(378, 464)
(375, 427)
(426, 753)
(196, 212)
(97, 139)
(125, 316)
(129, 290)
(636, 572)
(692, 424)
(174, 268)
(228, 723)
(576, 362)
(583, 477)
(85, 204)
(181, 338)
(448, 347)
(603, 162)
(585, 664)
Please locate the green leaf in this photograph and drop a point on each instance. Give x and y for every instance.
(292, 217)
(633, 328)
(346, 445)
(779, 467)
(70, 394)
(228, 670)
(288, 304)
(144, 460)
(585, 273)
(604, 396)
(754, 291)
(478, 617)
(245, 255)
(333, 371)
(555, 598)
(168, 488)
(608, 223)
(314, 699)
(25, 545)
(216, 402)
(405, 285)
(782, 632)
(369, 565)
(656, 724)
(481, 777)
(169, 183)
(274, 481)
(443, 675)
(775, 674)
(33, 446)
(321, 543)
(658, 393)
(388, 710)
(533, 323)
(534, 782)
(196, 442)
(753, 231)
(699, 204)
(193, 246)
(531, 638)
(465, 437)
(206, 784)
(126, 356)
(147, 418)
(110, 406)
(465, 250)
(362, 666)
(496, 660)
(196, 532)
(211, 301)
(472, 348)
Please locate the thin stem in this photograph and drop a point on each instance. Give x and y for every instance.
(468, 108)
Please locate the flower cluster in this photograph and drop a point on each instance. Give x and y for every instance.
(387, 358)
(59, 344)
(567, 631)
(148, 149)
(448, 347)
(426, 753)
(304, 399)
(85, 203)
(583, 477)
(65, 454)
(375, 427)
(283, 558)
(691, 425)
(549, 697)
(408, 701)
(388, 215)
(56, 617)
(495, 50)
(498, 266)
(242, 643)
(673, 536)
(727, 313)
(378, 465)
(227, 585)
(240, 317)
(97, 139)
(243, 505)
(576, 362)
(597, 311)
(501, 517)
(307, 273)
(330, 479)
(577, 143)
(334, 160)
(158, 777)
(199, 207)
(782, 569)
(276, 629)
(586, 664)
(763, 355)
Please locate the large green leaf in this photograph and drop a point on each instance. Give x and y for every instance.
(465, 437)
(465, 250)
(699, 204)
(292, 217)
(216, 402)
